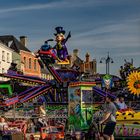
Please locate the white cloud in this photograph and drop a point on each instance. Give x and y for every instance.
(125, 26)
(25, 8)
(60, 4)
(122, 34)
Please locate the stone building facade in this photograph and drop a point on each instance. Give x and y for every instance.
(84, 66)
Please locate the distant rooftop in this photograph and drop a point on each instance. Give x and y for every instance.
(13, 43)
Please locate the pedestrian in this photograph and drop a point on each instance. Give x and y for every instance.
(117, 103)
(32, 127)
(109, 119)
(122, 103)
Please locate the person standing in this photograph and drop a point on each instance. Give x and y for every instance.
(109, 119)
(117, 102)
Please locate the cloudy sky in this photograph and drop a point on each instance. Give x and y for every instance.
(97, 26)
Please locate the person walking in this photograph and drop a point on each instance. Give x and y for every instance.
(109, 119)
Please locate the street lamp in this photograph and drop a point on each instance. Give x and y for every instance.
(107, 60)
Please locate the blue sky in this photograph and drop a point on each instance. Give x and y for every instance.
(97, 26)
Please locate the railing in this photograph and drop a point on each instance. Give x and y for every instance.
(134, 105)
(32, 112)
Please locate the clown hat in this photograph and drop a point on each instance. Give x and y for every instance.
(59, 30)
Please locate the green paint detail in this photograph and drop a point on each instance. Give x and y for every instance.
(56, 107)
(7, 86)
(107, 77)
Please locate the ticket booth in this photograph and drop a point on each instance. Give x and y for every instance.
(80, 108)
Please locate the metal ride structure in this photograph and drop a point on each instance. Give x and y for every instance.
(54, 91)
(58, 91)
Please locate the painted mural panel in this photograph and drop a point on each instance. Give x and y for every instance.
(86, 105)
(75, 107)
(80, 106)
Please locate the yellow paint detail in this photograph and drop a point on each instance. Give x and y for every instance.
(129, 117)
(66, 62)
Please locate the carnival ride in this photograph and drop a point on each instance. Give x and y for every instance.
(67, 88)
(38, 86)
(56, 91)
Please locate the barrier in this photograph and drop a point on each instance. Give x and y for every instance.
(129, 130)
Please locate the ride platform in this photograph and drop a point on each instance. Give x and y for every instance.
(61, 62)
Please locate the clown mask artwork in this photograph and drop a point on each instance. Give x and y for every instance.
(107, 81)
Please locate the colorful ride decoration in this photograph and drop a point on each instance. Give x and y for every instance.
(57, 54)
(47, 53)
(80, 108)
(60, 46)
(127, 130)
(128, 116)
(107, 81)
(133, 82)
(8, 87)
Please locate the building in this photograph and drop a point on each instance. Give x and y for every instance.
(84, 66)
(25, 59)
(46, 75)
(5, 59)
(88, 65)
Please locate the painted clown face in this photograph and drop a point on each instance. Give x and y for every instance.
(60, 37)
(107, 82)
(107, 79)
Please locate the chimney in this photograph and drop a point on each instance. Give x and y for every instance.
(23, 40)
(75, 52)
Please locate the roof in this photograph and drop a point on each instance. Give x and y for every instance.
(78, 60)
(6, 47)
(44, 71)
(14, 44)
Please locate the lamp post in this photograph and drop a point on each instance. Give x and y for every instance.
(107, 60)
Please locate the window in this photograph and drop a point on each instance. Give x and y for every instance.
(24, 60)
(3, 55)
(30, 64)
(3, 70)
(8, 58)
(35, 64)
